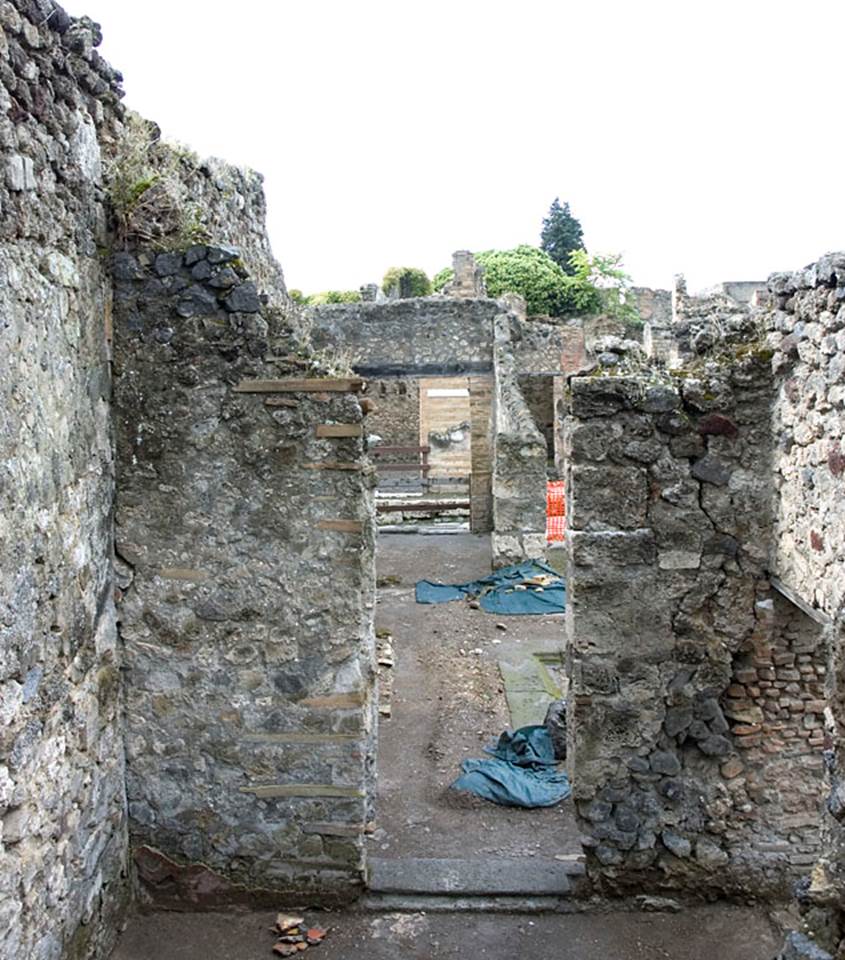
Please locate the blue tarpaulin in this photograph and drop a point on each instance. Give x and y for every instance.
(522, 772)
(525, 588)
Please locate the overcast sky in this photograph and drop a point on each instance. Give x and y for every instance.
(697, 137)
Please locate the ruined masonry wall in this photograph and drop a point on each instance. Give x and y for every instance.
(63, 880)
(245, 544)
(807, 334)
(691, 715)
(539, 394)
(415, 337)
(396, 417)
(519, 463)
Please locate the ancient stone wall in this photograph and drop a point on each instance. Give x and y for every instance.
(245, 540)
(396, 417)
(423, 336)
(807, 335)
(539, 394)
(541, 346)
(683, 761)
(519, 463)
(63, 880)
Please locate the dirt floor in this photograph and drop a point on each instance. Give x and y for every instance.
(448, 701)
(700, 933)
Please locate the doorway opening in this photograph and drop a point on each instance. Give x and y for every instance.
(452, 677)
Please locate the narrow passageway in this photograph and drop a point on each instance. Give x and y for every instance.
(461, 676)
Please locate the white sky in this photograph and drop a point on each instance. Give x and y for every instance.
(697, 137)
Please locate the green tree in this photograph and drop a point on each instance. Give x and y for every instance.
(411, 281)
(561, 234)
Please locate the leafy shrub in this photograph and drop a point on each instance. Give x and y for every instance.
(603, 285)
(597, 283)
(524, 270)
(414, 281)
(333, 296)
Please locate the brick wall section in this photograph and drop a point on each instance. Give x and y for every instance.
(775, 706)
(246, 557)
(63, 878)
(481, 414)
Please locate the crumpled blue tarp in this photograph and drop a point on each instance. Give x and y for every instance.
(497, 592)
(522, 773)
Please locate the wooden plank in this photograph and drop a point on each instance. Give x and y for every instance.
(330, 430)
(322, 738)
(334, 465)
(334, 701)
(417, 467)
(819, 616)
(425, 506)
(304, 385)
(384, 450)
(268, 790)
(183, 573)
(342, 526)
(280, 402)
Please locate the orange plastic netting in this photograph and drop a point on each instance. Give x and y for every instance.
(555, 511)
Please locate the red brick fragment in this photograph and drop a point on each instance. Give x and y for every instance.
(836, 459)
(715, 424)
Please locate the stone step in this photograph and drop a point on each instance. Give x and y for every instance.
(524, 877)
(420, 903)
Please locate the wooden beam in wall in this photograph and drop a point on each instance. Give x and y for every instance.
(306, 385)
(819, 616)
(335, 465)
(342, 526)
(337, 430)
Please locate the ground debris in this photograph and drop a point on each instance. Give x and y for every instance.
(658, 904)
(390, 580)
(293, 936)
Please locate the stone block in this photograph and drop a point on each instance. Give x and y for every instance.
(679, 560)
(675, 844)
(612, 548)
(608, 498)
(603, 396)
(20, 173)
